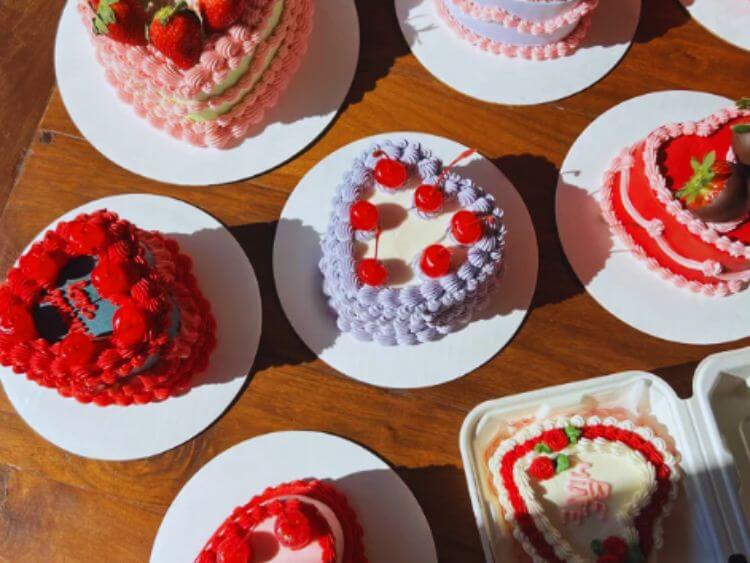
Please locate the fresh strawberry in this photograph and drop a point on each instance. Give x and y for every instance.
(717, 191)
(176, 32)
(219, 15)
(122, 20)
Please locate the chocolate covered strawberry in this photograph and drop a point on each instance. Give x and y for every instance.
(741, 143)
(717, 191)
(176, 32)
(219, 15)
(121, 20)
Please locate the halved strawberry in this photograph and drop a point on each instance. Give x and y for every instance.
(176, 32)
(121, 20)
(717, 191)
(219, 15)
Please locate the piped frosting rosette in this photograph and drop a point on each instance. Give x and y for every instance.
(443, 292)
(105, 312)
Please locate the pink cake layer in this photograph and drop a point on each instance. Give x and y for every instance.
(145, 79)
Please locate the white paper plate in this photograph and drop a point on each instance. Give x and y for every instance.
(503, 80)
(395, 528)
(305, 110)
(227, 280)
(618, 280)
(727, 19)
(299, 282)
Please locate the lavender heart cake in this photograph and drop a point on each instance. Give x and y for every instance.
(530, 29)
(412, 248)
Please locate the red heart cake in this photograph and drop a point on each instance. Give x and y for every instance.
(304, 522)
(206, 72)
(679, 199)
(106, 313)
(585, 489)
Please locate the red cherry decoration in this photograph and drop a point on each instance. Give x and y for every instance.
(111, 278)
(435, 261)
(363, 216)
(87, 237)
(371, 271)
(390, 173)
(41, 268)
(130, 325)
(293, 530)
(17, 322)
(466, 227)
(234, 549)
(428, 198)
(77, 348)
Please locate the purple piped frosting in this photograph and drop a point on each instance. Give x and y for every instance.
(428, 308)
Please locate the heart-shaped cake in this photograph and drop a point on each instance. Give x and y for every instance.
(585, 489)
(205, 73)
(412, 248)
(530, 29)
(300, 522)
(679, 200)
(105, 312)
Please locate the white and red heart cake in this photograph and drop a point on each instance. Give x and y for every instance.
(530, 29)
(205, 73)
(105, 312)
(585, 489)
(300, 522)
(679, 200)
(412, 248)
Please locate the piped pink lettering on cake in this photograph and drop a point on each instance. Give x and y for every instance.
(586, 496)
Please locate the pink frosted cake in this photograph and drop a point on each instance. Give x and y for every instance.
(206, 87)
(530, 29)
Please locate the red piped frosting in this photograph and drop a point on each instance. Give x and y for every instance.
(297, 524)
(139, 362)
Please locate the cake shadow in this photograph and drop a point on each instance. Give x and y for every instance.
(658, 17)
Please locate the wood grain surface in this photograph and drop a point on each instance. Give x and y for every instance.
(57, 507)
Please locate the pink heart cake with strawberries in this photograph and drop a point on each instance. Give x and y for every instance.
(106, 313)
(204, 72)
(577, 489)
(680, 199)
(300, 522)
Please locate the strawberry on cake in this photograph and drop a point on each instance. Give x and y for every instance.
(204, 72)
(680, 198)
(105, 312)
(303, 522)
(530, 29)
(412, 249)
(576, 489)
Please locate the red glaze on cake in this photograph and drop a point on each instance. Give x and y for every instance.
(105, 312)
(647, 202)
(301, 521)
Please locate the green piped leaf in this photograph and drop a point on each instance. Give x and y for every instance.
(573, 433)
(562, 463)
(597, 547)
(542, 448)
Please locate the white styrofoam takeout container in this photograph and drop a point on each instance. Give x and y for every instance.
(710, 432)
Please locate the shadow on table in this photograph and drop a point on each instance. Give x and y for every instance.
(658, 17)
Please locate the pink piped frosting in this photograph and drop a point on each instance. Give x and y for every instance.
(146, 79)
(505, 18)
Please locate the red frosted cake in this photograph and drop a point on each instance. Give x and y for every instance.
(106, 313)
(304, 521)
(679, 199)
(205, 72)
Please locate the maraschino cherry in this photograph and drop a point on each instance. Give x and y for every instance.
(466, 227)
(77, 348)
(112, 278)
(16, 321)
(41, 268)
(234, 549)
(428, 198)
(435, 261)
(371, 271)
(363, 216)
(293, 530)
(130, 325)
(390, 173)
(86, 237)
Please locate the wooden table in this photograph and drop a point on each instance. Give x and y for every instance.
(57, 507)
